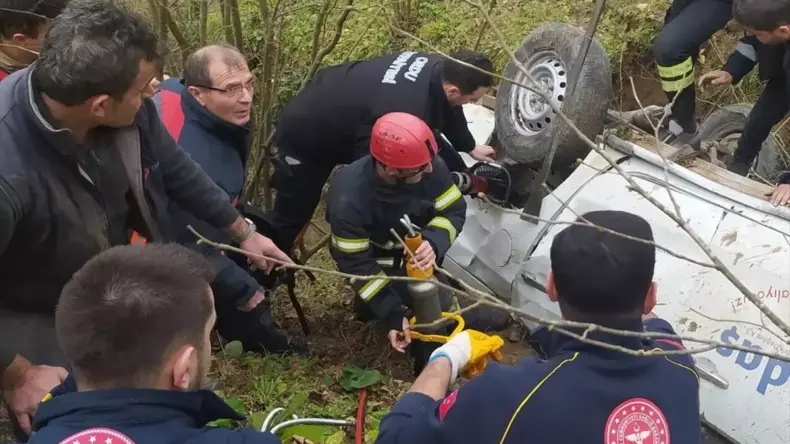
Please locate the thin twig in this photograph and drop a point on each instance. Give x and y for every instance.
(491, 301)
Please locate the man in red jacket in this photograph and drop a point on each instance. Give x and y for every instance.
(23, 25)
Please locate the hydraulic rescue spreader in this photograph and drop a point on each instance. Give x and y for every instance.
(426, 305)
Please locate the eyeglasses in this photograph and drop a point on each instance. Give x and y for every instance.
(234, 91)
(419, 171)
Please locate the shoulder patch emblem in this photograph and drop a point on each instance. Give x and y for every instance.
(636, 421)
(448, 402)
(98, 435)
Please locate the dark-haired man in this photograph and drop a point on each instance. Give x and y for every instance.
(581, 393)
(84, 161)
(766, 45)
(329, 122)
(158, 295)
(208, 113)
(23, 25)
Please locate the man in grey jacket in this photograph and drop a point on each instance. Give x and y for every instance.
(84, 163)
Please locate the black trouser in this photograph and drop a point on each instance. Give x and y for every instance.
(419, 351)
(688, 24)
(299, 181)
(771, 107)
(33, 337)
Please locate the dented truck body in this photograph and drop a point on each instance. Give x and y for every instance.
(744, 397)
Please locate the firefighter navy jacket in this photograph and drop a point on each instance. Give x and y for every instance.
(220, 148)
(581, 394)
(129, 416)
(332, 118)
(361, 210)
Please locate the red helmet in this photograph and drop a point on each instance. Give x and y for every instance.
(401, 140)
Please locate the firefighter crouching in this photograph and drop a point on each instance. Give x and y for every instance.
(402, 176)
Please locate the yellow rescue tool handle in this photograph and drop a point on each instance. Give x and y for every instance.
(413, 243)
(440, 338)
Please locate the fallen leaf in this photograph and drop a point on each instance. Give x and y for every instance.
(234, 349)
(338, 437)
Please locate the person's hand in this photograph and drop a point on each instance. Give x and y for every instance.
(256, 299)
(483, 153)
(781, 195)
(399, 340)
(26, 385)
(424, 258)
(262, 245)
(717, 77)
(468, 352)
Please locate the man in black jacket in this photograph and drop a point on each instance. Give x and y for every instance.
(330, 121)
(768, 31)
(84, 161)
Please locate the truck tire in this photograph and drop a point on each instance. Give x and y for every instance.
(727, 123)
(525, 125)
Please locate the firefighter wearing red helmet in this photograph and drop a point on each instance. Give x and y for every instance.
(402, 175)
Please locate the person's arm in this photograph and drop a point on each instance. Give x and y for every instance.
(350, 248)
(743, 59)
(10, 214)
(456, 129)
(186, 182)
(232, 281)
(450, 207)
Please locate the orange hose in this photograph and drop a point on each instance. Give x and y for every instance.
(359, 433)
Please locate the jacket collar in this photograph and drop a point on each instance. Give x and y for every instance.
(59, 138)
(118, 406)
(554, 343)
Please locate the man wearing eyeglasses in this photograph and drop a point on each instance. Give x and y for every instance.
(208, 113)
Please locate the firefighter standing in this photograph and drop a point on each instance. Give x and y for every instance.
(401, 176)
(329, 122)
(687, 25)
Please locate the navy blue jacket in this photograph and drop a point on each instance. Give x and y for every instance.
(581, 394)
(220, 148)
(129, 416)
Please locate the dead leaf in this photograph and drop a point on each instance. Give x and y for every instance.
(296, 439)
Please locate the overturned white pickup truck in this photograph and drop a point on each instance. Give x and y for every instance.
(744, 398)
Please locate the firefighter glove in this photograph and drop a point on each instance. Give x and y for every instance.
(468, 352)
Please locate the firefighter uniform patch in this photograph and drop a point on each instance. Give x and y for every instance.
(636, 421)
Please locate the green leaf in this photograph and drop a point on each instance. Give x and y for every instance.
(338, 437)
(297, 402)
(328, 380)
(256, 421)
(355, 378)
(234, 349)
(371, 435)
(314, 433)
(237, 405)
(224, 423)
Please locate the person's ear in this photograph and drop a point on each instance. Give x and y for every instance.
(651, 298)
(551, 287)
(19, 37)
(185, 367)
(197, 94)
(451, 91)
(784, 32)
(100, 105)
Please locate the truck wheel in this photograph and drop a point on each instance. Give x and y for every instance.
(725, 126)
(525, 124)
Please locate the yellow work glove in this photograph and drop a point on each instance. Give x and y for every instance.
(483, 347)
(468, 351)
